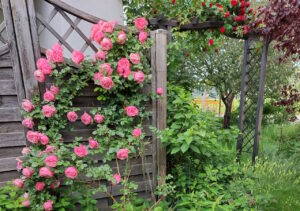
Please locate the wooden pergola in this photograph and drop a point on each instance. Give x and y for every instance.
(253, 79)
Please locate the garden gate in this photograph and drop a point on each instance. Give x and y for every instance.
(20, 48)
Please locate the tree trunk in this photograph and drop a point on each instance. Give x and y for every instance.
(228, 106)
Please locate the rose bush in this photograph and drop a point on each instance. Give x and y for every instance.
(119, 70)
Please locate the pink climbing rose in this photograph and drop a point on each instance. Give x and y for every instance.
(77, 57)
(43, 65)
(72, 116)
(27, 122)
(141, 23)
(81, 151)
(137, 132)
(143, 37)
(51, 161)
(55, 184)
(108, 27)
(121, 38)
(18, 183)
(49, 96)
(123, 68)
(48, 205)
(96, 34)
(33, 136)
(86, 119)
(116, 179)
(106, 44)
(106, 83)
(39, 186)
(48, 110)
(93, 144)
(27, 105)
(135, 58)
(138, 76)
(50, 148)
(71, 172)
(159, 91)
(39, 76)
(55, 54)
(101, 55)
(19, 163)
(54, 89)
(27, 172)
(131, 111)
(105, 69)
(25, 150)
(46, 172)
(98, 118)
(122, 154)
(44, 139)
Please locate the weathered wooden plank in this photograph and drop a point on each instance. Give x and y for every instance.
(9, 176)
(8, 101)
(4, 49)
(10, 114)
(13, 51)
(8, 164)
(12, 139)
(7, 87)
(159, 68)
(6, 73)
(25, 46)
(10, 127)
(5, 61)
(11, 152)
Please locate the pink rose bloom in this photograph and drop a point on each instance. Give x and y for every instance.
(26, 203)
(50, 148)
(46, 172)
(135, 58)
(39, 186)
(123, 68)
(44, 139)
(101, 55)
(19, 183)
(105, 68)
(106, 83)
(48, 205)
(96, 34)
(54, 89)
(25, 150)
(77, 57)
(19, 163)
(106, 44)
(143, 36)
(86, 119)
(81, 151)
(55, 54)
(97, 77)
(27, 172)
(98, 118)
(131, 111)
(33, 136)
(55, 184)
(49, 96)
(121, 38)
(108, 27)
(137, 132)
(27, 105)
(71, 172)
(72, 116)
(43, 65)
(26, 195)
(51, 161)
(122, 154)
(39, 76)
(49, 111)
(141, 23)
(93, 144)
(139, 76)
(117, 179)
(159, 91)
(27, 122)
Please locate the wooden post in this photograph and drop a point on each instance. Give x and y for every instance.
(25, 48)
(159, 118)
(260, 101)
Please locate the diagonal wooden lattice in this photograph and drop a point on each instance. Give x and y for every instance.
(252, 92)
(73, 27)
(3, 40)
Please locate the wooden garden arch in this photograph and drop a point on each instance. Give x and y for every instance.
(253, 80)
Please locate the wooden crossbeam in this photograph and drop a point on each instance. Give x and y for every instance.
(49, 19)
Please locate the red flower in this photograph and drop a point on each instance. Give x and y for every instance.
(234, 3)
(155, 11)
(222, 29)
(243, 4)
(250, 11)
(235, 28)
(187, 55)
(217, 50)
(173, 1)
(203, 4)
(242, 11)
(210, 5)
(245, 30)
(211, 42)
(204, 50)
(227, 14)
